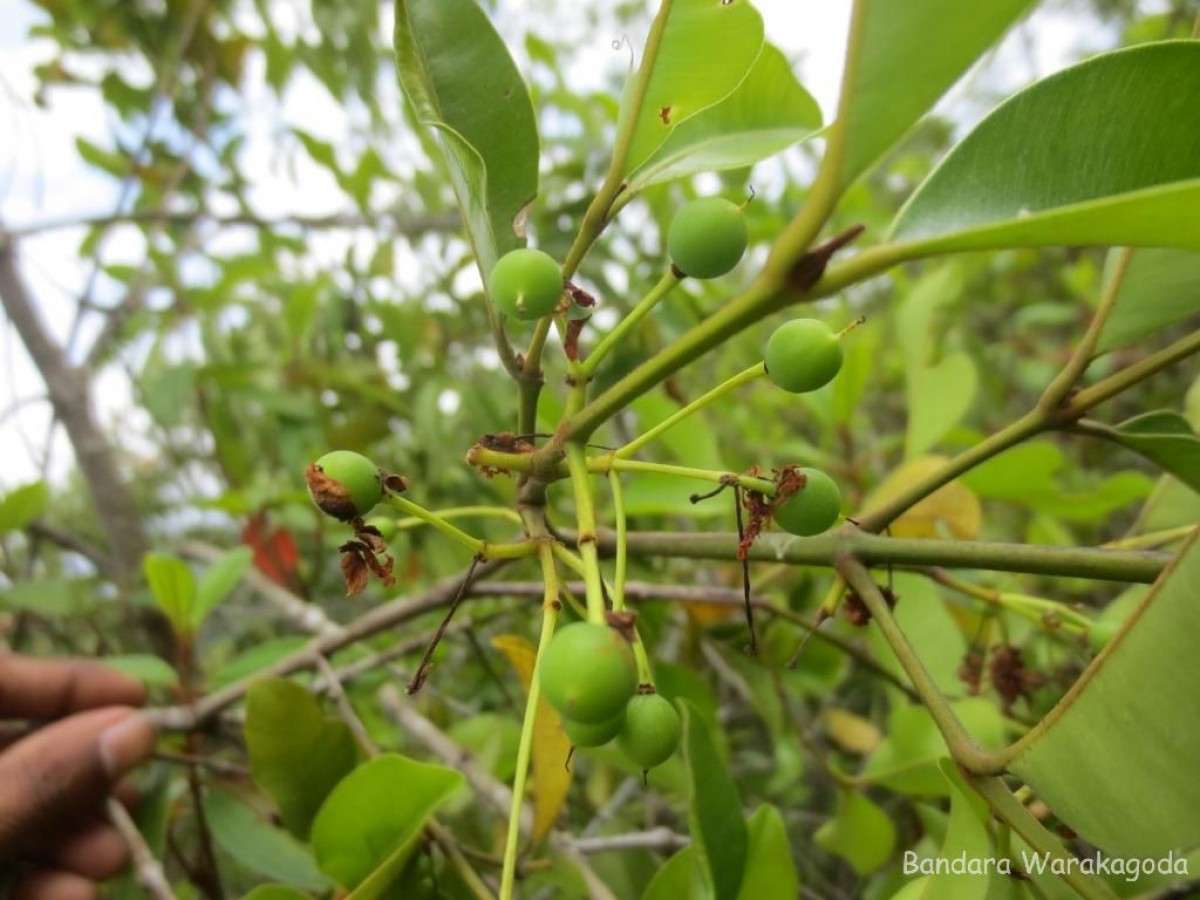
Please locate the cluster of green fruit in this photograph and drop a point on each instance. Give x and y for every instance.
(589, 675)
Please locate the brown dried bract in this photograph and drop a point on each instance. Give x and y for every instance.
(1010, 678)
(856, 611)
(971, 671)
(397, 484)
(361, 559)
(624, 621)
(571, 342)
(581, 297)
(331, 496)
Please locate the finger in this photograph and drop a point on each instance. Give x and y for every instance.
(66, 769)
(44, 884)
(52, 688)
(96, 851)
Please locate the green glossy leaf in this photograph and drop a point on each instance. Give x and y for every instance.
(460, 79)
(1158, 290)
(715, 812)
(218, 580)
(276, 892)
(374, 812)
(153, 671)
(896, 69)
(860, 833)
(1163, 437)
(297, 753)
(173, 587)
(258, 845)
(706, 49)
(679, 878)
(768, 112)
(22, 505)
(1121, 746)
(770, 869)
(1081, 157)
(966, 837)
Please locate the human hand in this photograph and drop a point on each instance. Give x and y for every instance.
(55, 780)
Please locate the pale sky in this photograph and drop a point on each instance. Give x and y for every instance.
(42, 177)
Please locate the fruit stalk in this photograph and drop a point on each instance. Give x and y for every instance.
(643, 308)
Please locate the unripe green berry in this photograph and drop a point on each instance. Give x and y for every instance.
(526, 284)
(385, 525)
(588, 673)
(344, 484)
(707, 237)
(584, 735)
(651, 731)
(803, 355)
(812, 509)
(1101, 633)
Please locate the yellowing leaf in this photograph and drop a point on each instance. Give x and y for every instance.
(952, 510)
(551, 778)
(850, 732)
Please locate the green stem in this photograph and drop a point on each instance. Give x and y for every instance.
(665, 285)
(597, 215)
(755, 371)
(1096, 563)
(1114, 384)
(961, 745)
(1022, 821)
(525, 748)
(460, 512)
(604, 464)
(1035, 609)
(1081, 358)
(1152, 539)
(585, 516)
(622, 553)
(530, 381)
(419, 512)
(1023, 428)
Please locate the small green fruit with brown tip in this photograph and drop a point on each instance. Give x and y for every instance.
(651, 731)
(803, 355)
(385, 525)
(588, 673)
(526, 284)
(812, 509)
(344, 484)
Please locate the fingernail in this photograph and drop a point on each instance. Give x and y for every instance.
(126, 744)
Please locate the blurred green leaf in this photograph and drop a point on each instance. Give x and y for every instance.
(715, 812)
(895, 71)
(276, 892)
(297, 753)
(1139, 693)
(768, 112)
(720, 40)
(257, 845)
(460, 79)
(966, 837)
(218, 580)
(1141, 190)
(1158, 290)
(1163, 437)
(770, 869)
(22, 505)
(860, 833)
(354, 833)
(173, 587)
(50, 597)
(153, 671)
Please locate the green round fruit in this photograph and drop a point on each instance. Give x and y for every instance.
(526, 284)
(1101, 633)
(651, 731)
(385, 525)
(803, 355)
(707, 237)
(345, 484)
(812, 509)
(588, 673)
(585, 735)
